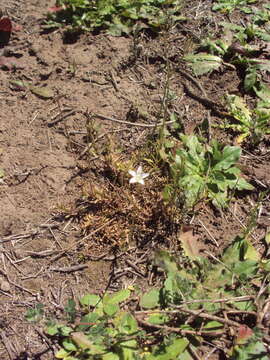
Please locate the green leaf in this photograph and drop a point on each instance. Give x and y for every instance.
(35, 314)
(128, 324)
(42, 92)
(150, 299)
(230, 155)
(62, 354)
(170, 352)
(110, 356)
(117, 297)
(52, 330)
(239, 109)
(110, 309)
(250, 78)
(158, 319)
(213, 326)
(129, 349)
(64, 330)
(87, 321)
(203, 63)
(69, 345)
(90, 300)
(253, 350)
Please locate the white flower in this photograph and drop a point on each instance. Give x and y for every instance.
(138, 176)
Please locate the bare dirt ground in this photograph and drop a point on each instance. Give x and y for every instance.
(46, 169)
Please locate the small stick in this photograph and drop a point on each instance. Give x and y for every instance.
(192, 79)
(194, 313)
(225, 300)
(177, 330)
(208, 232)
(112, 78)
(103, 117)
(71, 268)
(7, 344)
(61, 118)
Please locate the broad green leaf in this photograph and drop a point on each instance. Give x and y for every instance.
(42, 92)
(170, 352)
(261, 64)
(239, 109)
(195, 186)
(110, 356)
(52, 330)
(244, 305)
(90, 300)
(69, 345)
(125, 323)
(245, 269)
(253, 350)
(117, 297)
(158, 318)
(150, 299)
(230, 155)
(203, 63)
(263, 92)
(62, 354)
(250, 79)
(87, 321)
(65, 330)
(129, 349)
(213, 326)
(110, 309)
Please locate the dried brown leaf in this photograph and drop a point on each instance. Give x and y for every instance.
(190, 243)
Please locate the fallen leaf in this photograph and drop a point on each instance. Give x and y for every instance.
(5, 24)
(18, 85)
(81, 340)
(244, 333)
(42, 92)
(189, 243)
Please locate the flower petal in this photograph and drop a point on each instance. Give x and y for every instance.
(132, 172)
(139, 170)
(144, 175)
(132, 180)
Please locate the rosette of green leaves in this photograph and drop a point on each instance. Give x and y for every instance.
(206, 171)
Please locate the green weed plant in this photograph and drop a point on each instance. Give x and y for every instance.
(104, 328)
(115, 16)
(203, 171)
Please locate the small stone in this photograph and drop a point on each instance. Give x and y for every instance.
(4, 285)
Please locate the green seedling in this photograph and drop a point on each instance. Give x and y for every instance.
(115, 16)
(227, 6)
(250, 124)
(204, 171)
(103, 330)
